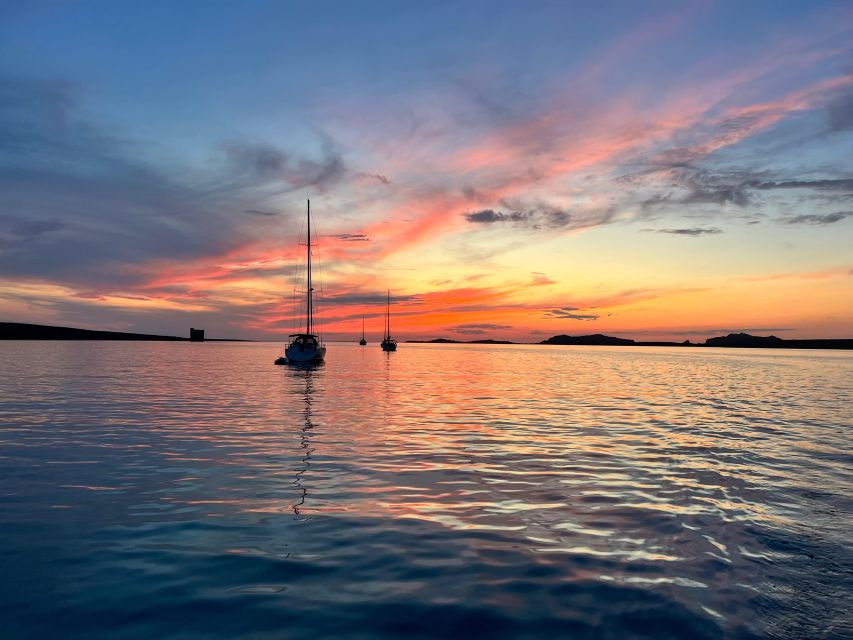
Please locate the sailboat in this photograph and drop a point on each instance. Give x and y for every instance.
(305, 348)
(362, 342)
(388, 343)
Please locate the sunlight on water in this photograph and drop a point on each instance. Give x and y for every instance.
(448, 491)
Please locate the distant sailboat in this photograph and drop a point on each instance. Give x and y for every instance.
(305, 348)
(388, 343)
(362, 342)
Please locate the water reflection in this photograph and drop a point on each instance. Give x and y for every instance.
(307, 374)
(468, 490)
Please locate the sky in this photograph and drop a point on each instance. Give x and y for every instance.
(508, 170)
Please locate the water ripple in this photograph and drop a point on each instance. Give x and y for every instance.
(194, 490)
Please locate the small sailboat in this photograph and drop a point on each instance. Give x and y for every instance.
(362, 342)
(305, 348)
(388, 343)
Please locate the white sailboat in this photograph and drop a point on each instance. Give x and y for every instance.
(305, 348)
(388, 343)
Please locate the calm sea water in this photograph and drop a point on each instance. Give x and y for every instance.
(160, 490)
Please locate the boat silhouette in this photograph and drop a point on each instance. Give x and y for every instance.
(305, 348)
(388, 343)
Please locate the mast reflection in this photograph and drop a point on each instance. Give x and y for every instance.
(307, 374)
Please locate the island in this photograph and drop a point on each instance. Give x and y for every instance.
(24, 331)
(745, 340)
(594, 339)
(734, 340)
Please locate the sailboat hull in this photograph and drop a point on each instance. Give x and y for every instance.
(294, 355)
(388, 345)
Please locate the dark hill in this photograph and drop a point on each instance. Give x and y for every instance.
(22, 331)
(595, 339)
(742, 340)
(745, 340)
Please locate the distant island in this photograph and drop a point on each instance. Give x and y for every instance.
(772, 342)
(594, 339)
(23, 331)
(741, 340)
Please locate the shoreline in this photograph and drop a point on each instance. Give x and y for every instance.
(37, 332)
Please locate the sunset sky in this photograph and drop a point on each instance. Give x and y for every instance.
(509, 170)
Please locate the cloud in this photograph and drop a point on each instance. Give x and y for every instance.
(842, 184)
(259, 160)
(540, 215)
(17, 229)
(692, 231)
(554, 140)
(489, 216)
(820, 219)
(699, 187)
(116, 210)
(370, 299)
(717, 194)
(479, 328)
(568, 313)
(352, 237)
(824, 274)
(374, 177)
(840, 111)
(540, 279)
(736, 188)
(265, 164)
(89, 212)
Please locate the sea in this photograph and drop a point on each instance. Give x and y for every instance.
(196, 490)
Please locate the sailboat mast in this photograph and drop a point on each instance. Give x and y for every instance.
(309, 302)
(388, 315)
